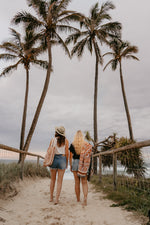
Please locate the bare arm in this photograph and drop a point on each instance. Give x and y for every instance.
(70, 161)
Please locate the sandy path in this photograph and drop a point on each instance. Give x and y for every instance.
(32, 206)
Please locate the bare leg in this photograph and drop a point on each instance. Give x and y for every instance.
(77, 185)
(52, 183)
(59, 184)
(85, 189)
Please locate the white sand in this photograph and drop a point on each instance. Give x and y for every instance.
(32, 206)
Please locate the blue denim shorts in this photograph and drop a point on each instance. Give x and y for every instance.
(75, 164)
(59, 162)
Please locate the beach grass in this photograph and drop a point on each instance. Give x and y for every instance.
(10, 173)
(131, 197)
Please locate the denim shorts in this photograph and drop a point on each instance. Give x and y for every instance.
(75, 164)
(59, 162)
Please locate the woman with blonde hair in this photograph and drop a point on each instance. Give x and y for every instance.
(80, 156)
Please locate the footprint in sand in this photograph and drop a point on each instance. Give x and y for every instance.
(48, 209)
(2, 220)
(47, 217)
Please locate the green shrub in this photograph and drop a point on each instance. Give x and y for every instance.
(129, 195)
(131, 159)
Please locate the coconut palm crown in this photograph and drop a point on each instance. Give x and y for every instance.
(25, 53)
(122, 50)
(52, 18)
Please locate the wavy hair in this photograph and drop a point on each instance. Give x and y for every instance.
(78, 141)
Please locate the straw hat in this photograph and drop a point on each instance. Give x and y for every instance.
(60, 130)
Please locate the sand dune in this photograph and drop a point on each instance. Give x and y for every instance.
(32, 206)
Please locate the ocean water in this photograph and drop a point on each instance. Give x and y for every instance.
(121, 170)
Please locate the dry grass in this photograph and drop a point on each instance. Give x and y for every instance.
(10, 173)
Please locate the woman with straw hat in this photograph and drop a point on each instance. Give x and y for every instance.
(60, 161)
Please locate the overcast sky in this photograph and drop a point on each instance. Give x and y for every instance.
(69, 101)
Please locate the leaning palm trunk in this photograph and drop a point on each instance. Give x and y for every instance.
(95, 111)
(125, 103)
(41, 101)
(24, 114)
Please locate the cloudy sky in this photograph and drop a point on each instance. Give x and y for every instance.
(69, 101)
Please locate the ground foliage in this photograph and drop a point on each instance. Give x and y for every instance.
(131, 159)
(9, 173)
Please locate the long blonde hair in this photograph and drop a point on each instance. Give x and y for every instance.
(78, 142)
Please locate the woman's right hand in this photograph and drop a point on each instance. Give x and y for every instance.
(71, 168)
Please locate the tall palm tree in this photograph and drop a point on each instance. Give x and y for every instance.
(52, 18)
(95, 32)
(122, 50)
(25, 53)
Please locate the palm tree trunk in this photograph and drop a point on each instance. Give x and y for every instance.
(95, 110)
(41, 101)
(95, 100)
(24, 114)
(126, 104)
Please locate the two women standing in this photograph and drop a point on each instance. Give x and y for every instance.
(80, 155)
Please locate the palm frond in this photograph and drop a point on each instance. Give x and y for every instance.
(106, 7)
(75, 36)
(6, 56)
(67, 28)
(62, 43)
(112, 28)
(78, 48)
(31, 39)
(108, 53)
(40, 7)
(31, 21)
(9, 47)
(108, 64)
(41, 63)
(129, 50)
(63, 5)
(114, 64)
(94, 11)
(101, 17)
(68, 16)
(132, 57)
(98, 53)
(17, 38)
(36, 51)
(10, 68)
(89, 44)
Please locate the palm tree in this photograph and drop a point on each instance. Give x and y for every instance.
(52, 18)
(25, 53)
(96, 32)
(122, 50)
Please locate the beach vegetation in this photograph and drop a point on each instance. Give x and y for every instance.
(132, 159)
(132, 194)
(10, 173)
